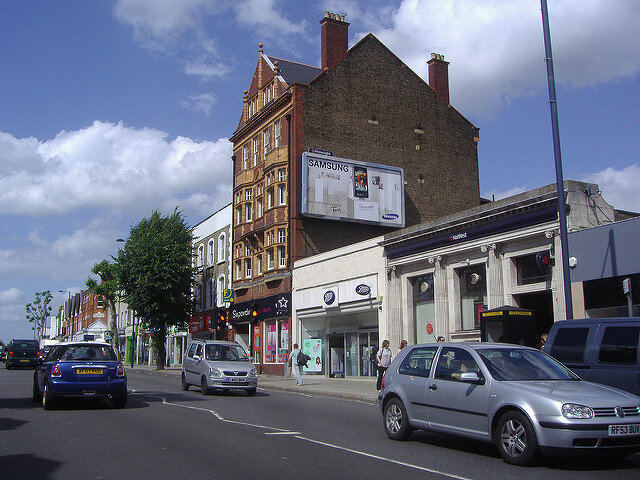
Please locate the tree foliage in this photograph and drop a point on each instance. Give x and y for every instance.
(156, 274)
(39, 310)
(108, 288)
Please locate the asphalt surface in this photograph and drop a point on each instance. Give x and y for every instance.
(165, 433)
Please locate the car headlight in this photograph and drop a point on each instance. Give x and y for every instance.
(572, 410)
(253, 373)
(215, 372)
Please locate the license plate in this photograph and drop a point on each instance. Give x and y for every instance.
(624, 430)
(25, 361)
(236, 379)
(89, 371)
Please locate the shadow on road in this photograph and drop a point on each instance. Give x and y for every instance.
(18, 403)
(23, 466)
(588, 461)
(10, 423)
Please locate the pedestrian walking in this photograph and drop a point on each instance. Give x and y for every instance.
(403, 344)
(383, 358)
(297, 368)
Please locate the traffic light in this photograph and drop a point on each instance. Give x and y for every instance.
(254, 312)
(221, 320)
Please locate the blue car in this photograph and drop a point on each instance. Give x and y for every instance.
(80, 370)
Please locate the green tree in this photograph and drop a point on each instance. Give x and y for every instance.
(39, 310)
(156, 275)
(108, 288)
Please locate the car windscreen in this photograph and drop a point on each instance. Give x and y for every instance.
(516, 364)
(72, 353)
(225, 353)
(24, 346)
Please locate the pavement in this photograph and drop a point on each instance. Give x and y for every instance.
(362, 389)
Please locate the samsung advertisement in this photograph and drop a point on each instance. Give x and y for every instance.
(351, 191)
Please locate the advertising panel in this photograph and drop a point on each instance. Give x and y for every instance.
(313, 348)
(351, 191)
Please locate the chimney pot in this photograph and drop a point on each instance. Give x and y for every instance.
(439, 76)
(334, 39)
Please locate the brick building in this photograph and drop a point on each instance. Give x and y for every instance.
(363, 104)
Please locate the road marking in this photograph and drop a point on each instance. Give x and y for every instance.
(282, 431)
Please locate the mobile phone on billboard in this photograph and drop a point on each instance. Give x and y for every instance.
(361, 185)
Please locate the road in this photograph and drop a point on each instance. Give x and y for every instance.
(165, 433)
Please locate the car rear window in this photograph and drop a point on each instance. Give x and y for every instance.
(619, 345)
(27, 345)
(569, 344)
(87, 352)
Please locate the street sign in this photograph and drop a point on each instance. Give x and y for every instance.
(626, 285)
(429, 328)
(227, 295)
(108, 335)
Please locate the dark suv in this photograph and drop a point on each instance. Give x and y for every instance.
(22, 353)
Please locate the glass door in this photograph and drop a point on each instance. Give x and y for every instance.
(351, 354)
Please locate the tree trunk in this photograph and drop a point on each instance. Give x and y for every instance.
(159, 340)
(113, 326)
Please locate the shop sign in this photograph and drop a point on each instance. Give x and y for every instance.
(329, 298)
(269, 307)
(363, 289)
(199, 323)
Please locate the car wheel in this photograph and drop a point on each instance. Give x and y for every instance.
(396, 422)
(120, 400)
(251, 392)
(37, 396)
(185, 385)
(516, 439)
(204, 388)
(47, 398)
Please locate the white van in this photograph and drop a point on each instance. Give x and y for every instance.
(601, 350)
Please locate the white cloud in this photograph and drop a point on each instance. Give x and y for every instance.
(109, 166)
(262, 14)
(619, 187)
(11, 296)
(202, 103)
(496, 48)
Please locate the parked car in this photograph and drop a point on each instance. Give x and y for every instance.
(44, 351)
(213, 364)
(80, 370)
(22, 353)
(3, 353)
(602, 350)
(517, 397)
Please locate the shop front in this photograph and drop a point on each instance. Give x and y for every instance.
(263, 327)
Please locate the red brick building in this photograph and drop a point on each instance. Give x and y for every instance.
(362, 104)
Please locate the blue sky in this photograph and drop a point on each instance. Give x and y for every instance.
(111, 109)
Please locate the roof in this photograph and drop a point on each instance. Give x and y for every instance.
(293, 72)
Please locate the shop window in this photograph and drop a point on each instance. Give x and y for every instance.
(569, 345)
(473, 295)
(619, 345)
(528, 271)
(424, 307)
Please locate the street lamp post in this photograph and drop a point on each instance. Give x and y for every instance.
(562, 202)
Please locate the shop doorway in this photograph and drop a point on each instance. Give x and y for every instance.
(352, 354)
(541, 304)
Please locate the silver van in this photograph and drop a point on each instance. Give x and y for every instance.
(601, 350)
(213, 364)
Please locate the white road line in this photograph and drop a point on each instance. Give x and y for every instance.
(281, 431)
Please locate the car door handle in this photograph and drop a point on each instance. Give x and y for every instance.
(433, 387)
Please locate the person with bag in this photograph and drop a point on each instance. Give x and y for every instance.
(298, 360)
(383, 358)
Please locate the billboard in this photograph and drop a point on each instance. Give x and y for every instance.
(352, 191)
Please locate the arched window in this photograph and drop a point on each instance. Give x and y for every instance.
(222, 247)
(221, 287)
(212, 253)
(200, 258)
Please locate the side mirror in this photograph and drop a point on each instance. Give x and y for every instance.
(471, 377)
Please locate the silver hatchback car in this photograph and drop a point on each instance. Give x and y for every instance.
(519, 398)
(213, 364)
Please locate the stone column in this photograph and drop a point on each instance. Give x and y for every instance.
(495, 284)
(440, 296)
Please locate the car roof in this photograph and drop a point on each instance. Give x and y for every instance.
(476, 345)
(592, 321)
(81, 342)
(214, 342)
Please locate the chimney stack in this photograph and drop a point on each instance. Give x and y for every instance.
(335, 39)
(439, 76)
